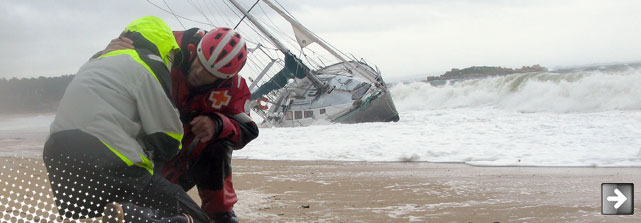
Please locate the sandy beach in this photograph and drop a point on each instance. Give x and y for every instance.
(297, 191)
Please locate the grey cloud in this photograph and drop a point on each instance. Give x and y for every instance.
(48, 38)
(52, 38)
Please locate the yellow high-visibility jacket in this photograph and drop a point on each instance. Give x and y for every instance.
(123, 98)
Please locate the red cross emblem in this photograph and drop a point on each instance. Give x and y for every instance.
(219, 98)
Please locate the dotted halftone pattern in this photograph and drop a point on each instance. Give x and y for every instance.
(26, 193)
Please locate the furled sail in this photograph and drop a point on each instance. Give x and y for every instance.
(294, 68)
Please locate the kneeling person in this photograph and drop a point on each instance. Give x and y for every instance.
(114, 124)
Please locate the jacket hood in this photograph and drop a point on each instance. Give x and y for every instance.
(156, 31)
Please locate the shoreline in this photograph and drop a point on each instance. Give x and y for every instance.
(438, 163)
(337, 191)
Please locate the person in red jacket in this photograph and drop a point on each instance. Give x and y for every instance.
(213, 104)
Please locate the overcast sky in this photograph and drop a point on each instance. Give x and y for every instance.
(406, 39)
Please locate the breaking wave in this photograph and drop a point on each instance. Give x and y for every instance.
(584, 91)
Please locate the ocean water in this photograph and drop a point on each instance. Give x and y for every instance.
(536, 119)
(24, 135)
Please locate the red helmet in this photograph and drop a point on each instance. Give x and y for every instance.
(222, 51)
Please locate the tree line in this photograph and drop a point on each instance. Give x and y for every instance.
(485, 71)
(32, 95)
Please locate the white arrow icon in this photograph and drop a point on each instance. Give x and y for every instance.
(620, 198)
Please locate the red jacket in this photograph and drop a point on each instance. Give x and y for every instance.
(225, 101)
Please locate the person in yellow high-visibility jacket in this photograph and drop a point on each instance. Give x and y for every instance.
(114, 128)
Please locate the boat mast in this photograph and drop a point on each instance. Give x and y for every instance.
(297, 25)
(319, 85)
(302, 28)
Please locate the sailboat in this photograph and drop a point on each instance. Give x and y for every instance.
(296, 78)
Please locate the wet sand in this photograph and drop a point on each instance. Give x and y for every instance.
(422, 192)
(293, 191)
